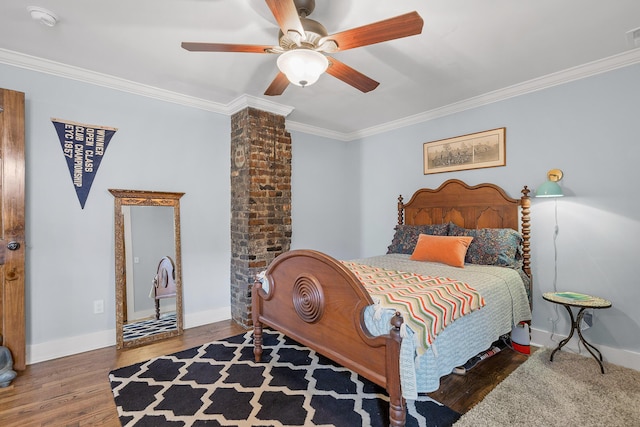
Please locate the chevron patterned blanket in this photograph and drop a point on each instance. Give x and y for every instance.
(428, 304)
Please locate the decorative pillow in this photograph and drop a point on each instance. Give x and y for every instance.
(492, 246)
(448, 250)
(406, 236)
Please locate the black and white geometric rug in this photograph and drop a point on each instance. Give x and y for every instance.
(219, 384)
(143, 328)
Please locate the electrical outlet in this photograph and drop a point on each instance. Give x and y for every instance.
(98, 306)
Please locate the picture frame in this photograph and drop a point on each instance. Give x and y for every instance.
(473, 151)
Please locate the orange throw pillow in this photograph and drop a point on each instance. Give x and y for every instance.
(448, 250)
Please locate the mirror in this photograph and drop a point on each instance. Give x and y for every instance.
(147, 266)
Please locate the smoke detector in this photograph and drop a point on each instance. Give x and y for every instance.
(44, 16)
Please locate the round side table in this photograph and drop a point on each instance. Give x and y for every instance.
(582, 301)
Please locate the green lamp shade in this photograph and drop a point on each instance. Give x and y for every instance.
(549, 189)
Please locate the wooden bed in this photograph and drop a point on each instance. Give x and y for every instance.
(317, 301)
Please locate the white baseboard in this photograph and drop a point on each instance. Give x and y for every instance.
(206, 317)
(79, 344)
(621, 357)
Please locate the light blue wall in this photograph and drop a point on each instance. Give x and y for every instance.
(588, 128)
(325, 196)
(158, 146)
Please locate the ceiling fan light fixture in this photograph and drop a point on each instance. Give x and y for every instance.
(302, 67)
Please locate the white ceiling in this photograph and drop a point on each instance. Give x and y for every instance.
(468, 50)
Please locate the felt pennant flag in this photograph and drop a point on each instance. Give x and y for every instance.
(83, 147)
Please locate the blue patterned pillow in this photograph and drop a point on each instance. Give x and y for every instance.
(406, 236)
(491, 246)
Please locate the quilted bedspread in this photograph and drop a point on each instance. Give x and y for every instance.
(506, 305)
(427, 303)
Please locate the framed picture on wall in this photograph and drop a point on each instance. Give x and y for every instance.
(473, 151)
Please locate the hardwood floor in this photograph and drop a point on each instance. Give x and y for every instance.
(75, 391)
(462, 392)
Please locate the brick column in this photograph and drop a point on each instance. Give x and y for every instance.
(260, 201)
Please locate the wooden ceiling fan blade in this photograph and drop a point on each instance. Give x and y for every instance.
(286, 14)
(278, 85)
(401, 26)
(350, 76)
(225, 47)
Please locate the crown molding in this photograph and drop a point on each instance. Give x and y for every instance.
(318, 131)
(572, 74)
(565, 76)
(99, 79)
(244, 101)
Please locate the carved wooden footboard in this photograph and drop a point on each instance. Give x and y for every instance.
(315, 300)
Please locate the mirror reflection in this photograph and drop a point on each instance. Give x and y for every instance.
(148, 279)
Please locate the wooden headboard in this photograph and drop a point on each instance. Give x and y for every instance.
(478, 206)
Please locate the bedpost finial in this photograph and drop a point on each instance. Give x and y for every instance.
(400, 210)
(397, 321)
(525, 191)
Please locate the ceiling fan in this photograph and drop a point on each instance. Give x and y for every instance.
(304, 43)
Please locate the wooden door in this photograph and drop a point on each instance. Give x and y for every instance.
(12, 245)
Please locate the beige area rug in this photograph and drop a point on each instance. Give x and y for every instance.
(570, 391)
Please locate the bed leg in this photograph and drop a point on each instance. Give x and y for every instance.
(255, 317)
(257, 341)
(397, 414)
(397, 404)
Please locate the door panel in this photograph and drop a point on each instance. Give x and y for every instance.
(12, 245)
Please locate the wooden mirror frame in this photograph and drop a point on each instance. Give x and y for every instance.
(143, 198)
